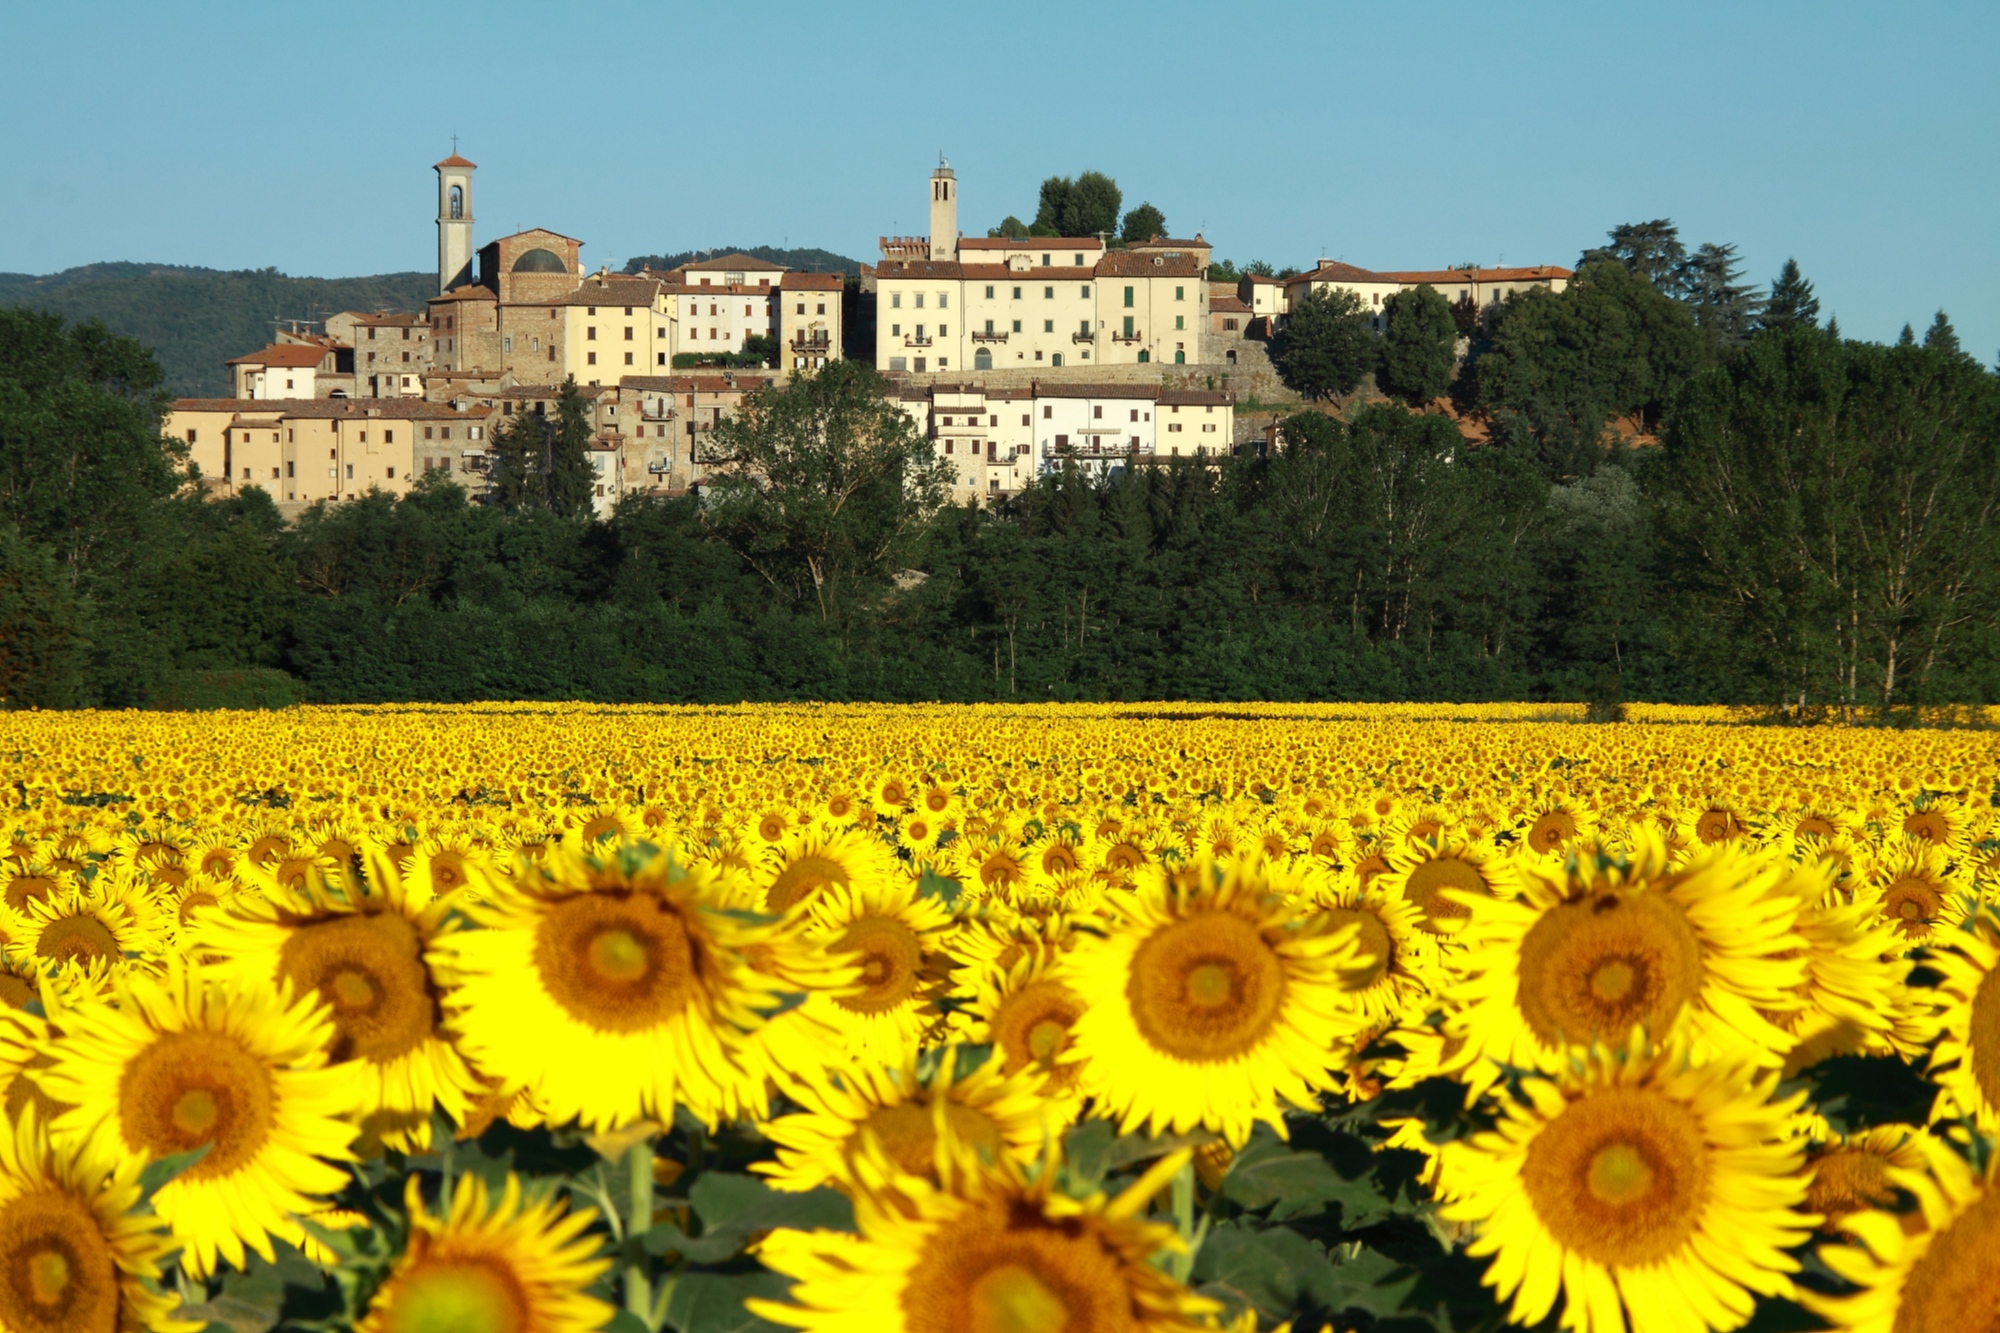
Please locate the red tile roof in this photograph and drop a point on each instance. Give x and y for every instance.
(293, 356)
(470, 292)
(1049, 243)
(456, 161)
(811, 282)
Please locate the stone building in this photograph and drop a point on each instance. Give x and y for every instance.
(952, 303)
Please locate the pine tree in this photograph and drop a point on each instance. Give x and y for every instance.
(1941, 336)
(572, 480)
(1709, 282)
(1142, 224)
(1791, 301)
(1653, 250)
(518, 450)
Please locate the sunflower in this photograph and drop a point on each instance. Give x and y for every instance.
(815, 858)
(1026, 1013)
(1419, 871)
(1854, 995)
(991, 1251)
(1850, 1173)
(895, 939)
(76, 1252)
(1933, 1270)
(1914, 889)
(360, 946)
(489, 1265)
(1553, 823)
(1640, 1190)
(611, 989)
(1938, 821)
(177, 1062)
(1400, 952)
(1217, 995)
(25, 881)
(1966, 1063)
(99, 924)
(1615, 944)
(987, 1111)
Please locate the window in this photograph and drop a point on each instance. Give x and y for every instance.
(1173, 428)
(663, 358)
(944, 299)
(1097, 413)
(427, 433)
(1228, 324)
(628, 358)
(1085, 330)
(1048, 293)
(895, 300)
(288, 384)
(948, 446)
(1017, 293)
(1135, 414)
(445, 432)
(1128, 324)
(895, 330)
(291, 469)
(350, 472)
(1180, 321)
(406, 358)
(895, 363)
(388, 437)
(1048, 326)
(993, 421)
(989, 326)
(246, 474)
(920, 300)
(592, 311)
(507, 343)
(628, 333)
(392, 473)
(989, 293)
(591, 358)
(1128, 298)
(920, 333)
(822, 308)
(552, 351)
(1024, 419)
(1048, 413)
(1079, 261)
(628, 310)
(590, 333)
(1017, 326)
(802, 307)
(534, 344)
(1084, 290)
(1045, 261)
(1180, 293)
(944, 330)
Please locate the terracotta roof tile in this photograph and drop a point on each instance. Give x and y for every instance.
(279, 354)
(811, 282)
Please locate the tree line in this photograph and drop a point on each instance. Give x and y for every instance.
(1658, 505)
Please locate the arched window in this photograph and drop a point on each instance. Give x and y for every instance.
(1144, 356)
(1180, 358)
(982, 359)
(1056, 359)
(457, 202)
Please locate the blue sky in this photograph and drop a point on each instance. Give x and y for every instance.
(1864, 139)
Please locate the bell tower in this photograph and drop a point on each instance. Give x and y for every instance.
(944, 211)
(454, 221)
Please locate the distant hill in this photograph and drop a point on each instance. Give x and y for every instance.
(196, 318)
(806, 261)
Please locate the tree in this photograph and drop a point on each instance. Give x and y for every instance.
(1419, 346)
(1010, 227)
(1327, 345)
(826, 487)
(544, 463)
(1942, 337)
(82, 462)
(1831, 508)
(44, 650)
(1653, 250)
(1791, 302)
(1142, 224)
(1710, 283)
(1561, 365)
(1081, 207)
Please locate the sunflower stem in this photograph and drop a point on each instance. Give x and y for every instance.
(1183, 1197)
(638, 1221)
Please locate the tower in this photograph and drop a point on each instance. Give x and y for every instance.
(454, 221)
(944, 211)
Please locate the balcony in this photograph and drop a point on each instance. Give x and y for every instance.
(916, 340)
(1082, 337)
(1135, 336)
(810, 344)
(990, 336)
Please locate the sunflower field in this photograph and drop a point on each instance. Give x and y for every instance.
(532, 1019)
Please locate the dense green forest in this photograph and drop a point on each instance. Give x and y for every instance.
(804, 260)
(1800, 519)
(194, 319)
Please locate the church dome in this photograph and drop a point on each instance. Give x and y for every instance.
(540, 261)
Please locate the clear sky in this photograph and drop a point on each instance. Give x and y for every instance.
(1864, 139)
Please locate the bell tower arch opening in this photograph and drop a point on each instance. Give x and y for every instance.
(944, 211)
(454, 221)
